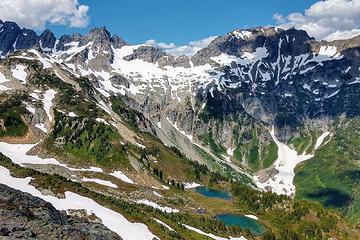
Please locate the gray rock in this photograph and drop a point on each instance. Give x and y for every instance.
(47, 39)
(146, 53)
(23, 216)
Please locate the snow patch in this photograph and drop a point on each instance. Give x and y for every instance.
(320, 140)
(157, 194)
(242, 34)
(49, 95)
(282, 182)
(164, 224)
(120, 175)
(191, 185)
(3, 80)
(156, 206)
(210, 235)
(17, 154)
(111, 219)
(19, 73)
(252, 216)
(72, 114)
(42, 127)
(100, 181)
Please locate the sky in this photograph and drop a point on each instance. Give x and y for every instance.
(171, 24)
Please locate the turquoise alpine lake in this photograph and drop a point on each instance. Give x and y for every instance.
(243, 222)
(213, 193)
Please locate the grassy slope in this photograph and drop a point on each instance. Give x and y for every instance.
(332, 177)
(258, 155)
(11, 112)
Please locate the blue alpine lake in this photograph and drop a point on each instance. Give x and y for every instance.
(213, 193)
(241, 221)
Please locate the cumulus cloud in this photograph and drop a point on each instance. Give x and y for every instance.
(154, 43)
(188, 50)
(38, 13)
(327, 19)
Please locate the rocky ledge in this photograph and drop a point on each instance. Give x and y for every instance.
(23, 216)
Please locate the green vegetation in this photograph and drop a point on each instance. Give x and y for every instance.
(332, 177)
(305, 143)
(87, 139)
(11, 113)
(291, 219)
(301, 143)
(270, 154)
(208, 140)
(258, 154)
(134, 212)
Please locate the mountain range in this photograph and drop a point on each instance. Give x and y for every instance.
(272, 110)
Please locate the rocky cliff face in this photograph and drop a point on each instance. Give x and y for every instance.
(26, 217)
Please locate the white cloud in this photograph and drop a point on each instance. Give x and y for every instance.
(38, 13)
(327, 19)
(154, 43)
(188, 50)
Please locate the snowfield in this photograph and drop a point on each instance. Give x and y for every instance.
(282, 182)
(111, 219)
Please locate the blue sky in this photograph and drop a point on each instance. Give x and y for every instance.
(181, 21)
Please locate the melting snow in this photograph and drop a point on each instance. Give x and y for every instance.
(42, 127)
(102, 121)
(17, 154)
(282, 182)
(19, 73)
(320, 140)
(164, 224)
(29, 108)
(48, 97)
(72, 114)
(191, 185)
(100, 181)
(3, 80)
(329, 51)
(120, 175)
(252, 216)
(242, 34)
(157, 194)
(156, 206)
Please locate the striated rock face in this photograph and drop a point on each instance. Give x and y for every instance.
(23, 216)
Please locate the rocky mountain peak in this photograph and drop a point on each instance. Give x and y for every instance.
(47, 39)
(97, 36)
(117, 42)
